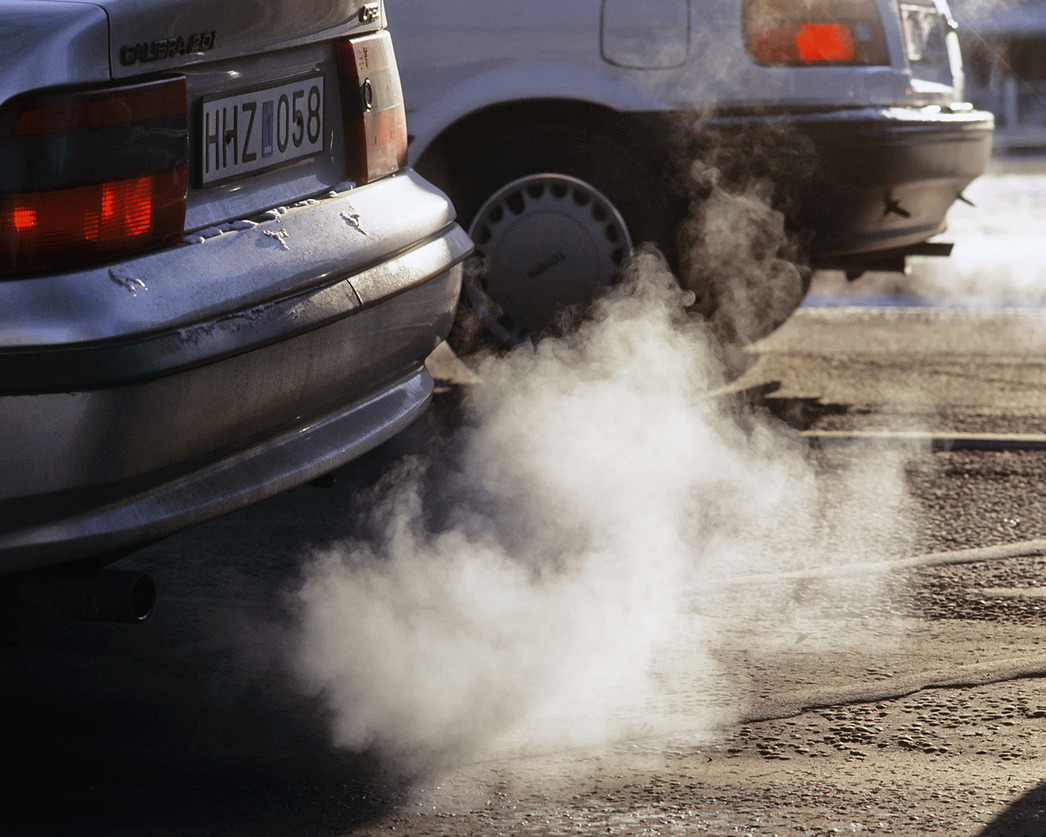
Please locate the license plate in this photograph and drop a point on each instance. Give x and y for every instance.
(924, 33)
(260, 129)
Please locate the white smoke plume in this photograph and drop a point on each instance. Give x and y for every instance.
(540, 584)
(738, 257)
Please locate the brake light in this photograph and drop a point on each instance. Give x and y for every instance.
(91, 175)
(372, 107)
(825, 42)
(814, 32)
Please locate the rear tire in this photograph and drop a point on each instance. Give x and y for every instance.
(546, 244)
(554, 211)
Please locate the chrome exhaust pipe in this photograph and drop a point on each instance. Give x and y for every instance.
(102, 596)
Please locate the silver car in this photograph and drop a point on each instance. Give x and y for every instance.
(218, 276)
(567, 131)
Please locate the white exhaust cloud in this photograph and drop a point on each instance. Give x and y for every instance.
(541, 582)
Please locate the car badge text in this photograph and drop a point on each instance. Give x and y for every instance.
(149, 51)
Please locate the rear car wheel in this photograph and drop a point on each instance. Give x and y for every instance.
(554, 212)
(548, 243)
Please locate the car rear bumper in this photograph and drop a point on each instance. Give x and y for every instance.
(108, 520)
(864, 184)
(121, 424)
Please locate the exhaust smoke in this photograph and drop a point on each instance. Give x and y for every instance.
(548, 576)
(738, 259)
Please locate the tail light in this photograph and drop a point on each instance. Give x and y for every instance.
(799, 33)
(91, 175)
(372, 107)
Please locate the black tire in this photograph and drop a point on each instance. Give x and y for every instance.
(554, 210)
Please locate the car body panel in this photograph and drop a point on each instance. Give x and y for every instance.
(485, 54)
(51, 42)
(657, 39)
(282, 336)
(157, 35)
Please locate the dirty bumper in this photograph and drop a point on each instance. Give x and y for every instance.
(213, 377)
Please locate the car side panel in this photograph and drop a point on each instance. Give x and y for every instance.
(458, 57)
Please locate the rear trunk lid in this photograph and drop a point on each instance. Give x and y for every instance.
(156, 35)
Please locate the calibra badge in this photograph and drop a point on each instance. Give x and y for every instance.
(148, 51)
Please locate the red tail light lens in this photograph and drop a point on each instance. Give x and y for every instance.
(95, 175)
(826, 42)
(814, 32)
(372, 107)
(65, 227)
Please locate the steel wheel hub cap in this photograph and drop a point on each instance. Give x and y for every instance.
(543, 243)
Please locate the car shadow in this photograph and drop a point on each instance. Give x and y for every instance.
(1025, 817)
(146, 729)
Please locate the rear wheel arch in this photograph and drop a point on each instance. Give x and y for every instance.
(447, 159)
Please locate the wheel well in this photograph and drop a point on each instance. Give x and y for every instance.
(457, 143)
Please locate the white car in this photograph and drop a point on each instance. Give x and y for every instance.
(563, 129)
(218, 276)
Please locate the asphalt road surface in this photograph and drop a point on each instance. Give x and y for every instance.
(859, 649)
